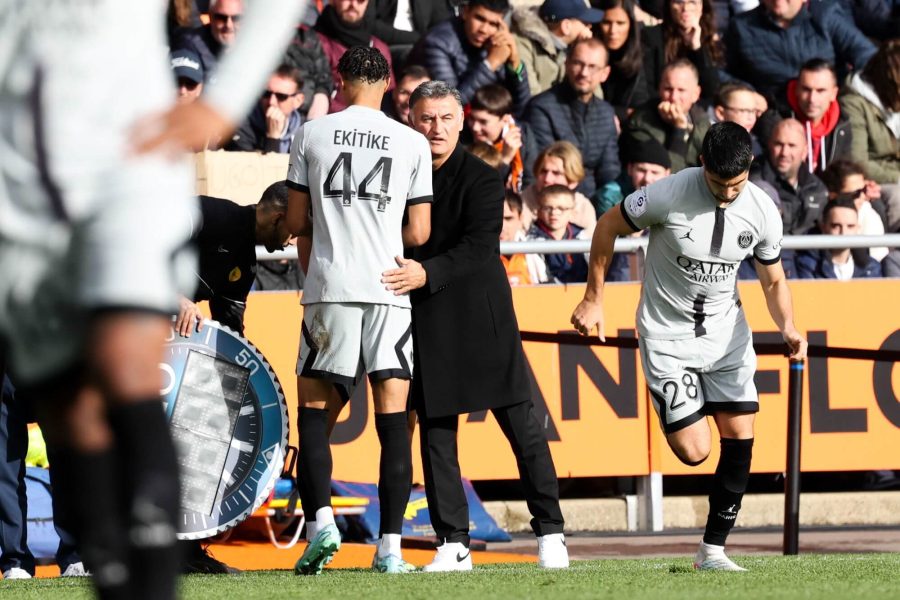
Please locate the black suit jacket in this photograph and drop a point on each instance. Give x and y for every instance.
(467, 349)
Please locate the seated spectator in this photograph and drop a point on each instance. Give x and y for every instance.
(838, 218)
(559, 164)
(188, 72)
(342, 24)
(209, 41)
(872, 104)
(305, 54)
(569, 111)
(739, 103)
(401, 24)
(767, 46)
(846, 180)
(646, 162)
(489, 154)
(626, 87)
(474, 50)
(555, 205)
(543, 34)
(802, 194)
(676, 121)
(275, 118)
(396, 103)
(490, 120)
(688, 31)
(521, 269)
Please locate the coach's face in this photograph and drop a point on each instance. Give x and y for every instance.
(440, 120)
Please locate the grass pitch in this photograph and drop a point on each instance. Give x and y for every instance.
(841, 576)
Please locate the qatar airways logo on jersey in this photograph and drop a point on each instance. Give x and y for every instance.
(703, 271)
(361, 139)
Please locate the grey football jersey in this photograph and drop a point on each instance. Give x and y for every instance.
(361, 169)
(695, 248)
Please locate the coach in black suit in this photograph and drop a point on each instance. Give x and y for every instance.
(467, 348)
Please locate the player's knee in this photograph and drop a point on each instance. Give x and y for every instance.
(691, 453)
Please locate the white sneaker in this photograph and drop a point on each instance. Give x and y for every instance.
(75, 570)
(552, 551)
(16, 573)
(450, 557)
(712, 558)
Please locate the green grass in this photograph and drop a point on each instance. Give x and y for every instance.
(870, 576)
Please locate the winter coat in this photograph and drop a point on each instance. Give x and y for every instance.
(655, 60)
(539, 50)
(683, 146)
(874, 145)
(306, 55)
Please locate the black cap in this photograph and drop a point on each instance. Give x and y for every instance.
(187, 64)
(647, 151)
(557, 10)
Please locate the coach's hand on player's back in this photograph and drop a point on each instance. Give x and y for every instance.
(189, 317)
(182, 128)
(588, 315)
(410, 276)
(797, 343)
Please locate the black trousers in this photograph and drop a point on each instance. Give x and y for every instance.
(447, 503)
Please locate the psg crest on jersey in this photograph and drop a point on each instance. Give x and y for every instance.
(229, 421)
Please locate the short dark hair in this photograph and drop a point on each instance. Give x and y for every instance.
(819, 64)
(681, 63)
(434, 89)
(275, 197)
(487, 153)
(288, 72)
(514, 200)
(363, 63)
(727, 150)
(833, 177)
(413, 72)
(732, 87)
(837, 203)
(498, 6)
(493, 98)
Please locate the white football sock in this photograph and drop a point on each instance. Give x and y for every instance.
(389, 544)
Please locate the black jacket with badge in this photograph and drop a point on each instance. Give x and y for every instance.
(467, 348)
(801, 206)
(226, 244)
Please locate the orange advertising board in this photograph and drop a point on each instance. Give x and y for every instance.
(593, 402)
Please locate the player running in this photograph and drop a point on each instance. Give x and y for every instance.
(696, 346)
(356, 173)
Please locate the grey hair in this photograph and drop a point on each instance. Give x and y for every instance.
(434, 89)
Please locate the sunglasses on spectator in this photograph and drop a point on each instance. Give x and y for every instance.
(223, 18)
(189, 84)
(851, 195)
(278, 96)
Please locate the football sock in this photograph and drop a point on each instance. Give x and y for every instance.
(87, 498)
(324, 518)
(729, 484)
(395, 469)
(306, 502)
(389, 544)
(314, 461)
(149, 469)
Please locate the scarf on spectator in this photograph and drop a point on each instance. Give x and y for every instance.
(516, 169)
(814, 133)
(358, 34)
(861, 87)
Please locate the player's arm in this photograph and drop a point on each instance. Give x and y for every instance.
(418, 226)
(778, 299)
(589, 312)
(299, 220)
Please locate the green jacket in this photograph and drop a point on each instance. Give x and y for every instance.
(683, 146)
(873, 144)
(544, 61)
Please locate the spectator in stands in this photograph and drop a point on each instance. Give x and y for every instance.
(305, 53)
(838, 218)
(489, 154)
(543, 34)
(626, 87)
(401, 24)
(873, 106)
(188, 72)
(559, 164)
(802, 194)
(571, 112)
(555, 205)
(767, 45)
(878, 19)
(209, 41)
(396, 103)
(490, 120)
(473, 50)
(687, 32)
(846, 180)
(521, 269)
(646, 162)
(342, 24)
(739, 103)
(676, 121)
(276, 118)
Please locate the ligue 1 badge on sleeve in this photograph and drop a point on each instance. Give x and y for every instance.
(229, 421)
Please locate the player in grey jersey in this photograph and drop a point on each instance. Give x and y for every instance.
(696, 347)
(357, 172)
(94, 216)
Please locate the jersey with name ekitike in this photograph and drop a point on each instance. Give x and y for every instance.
(695, 249)
(361, 169)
